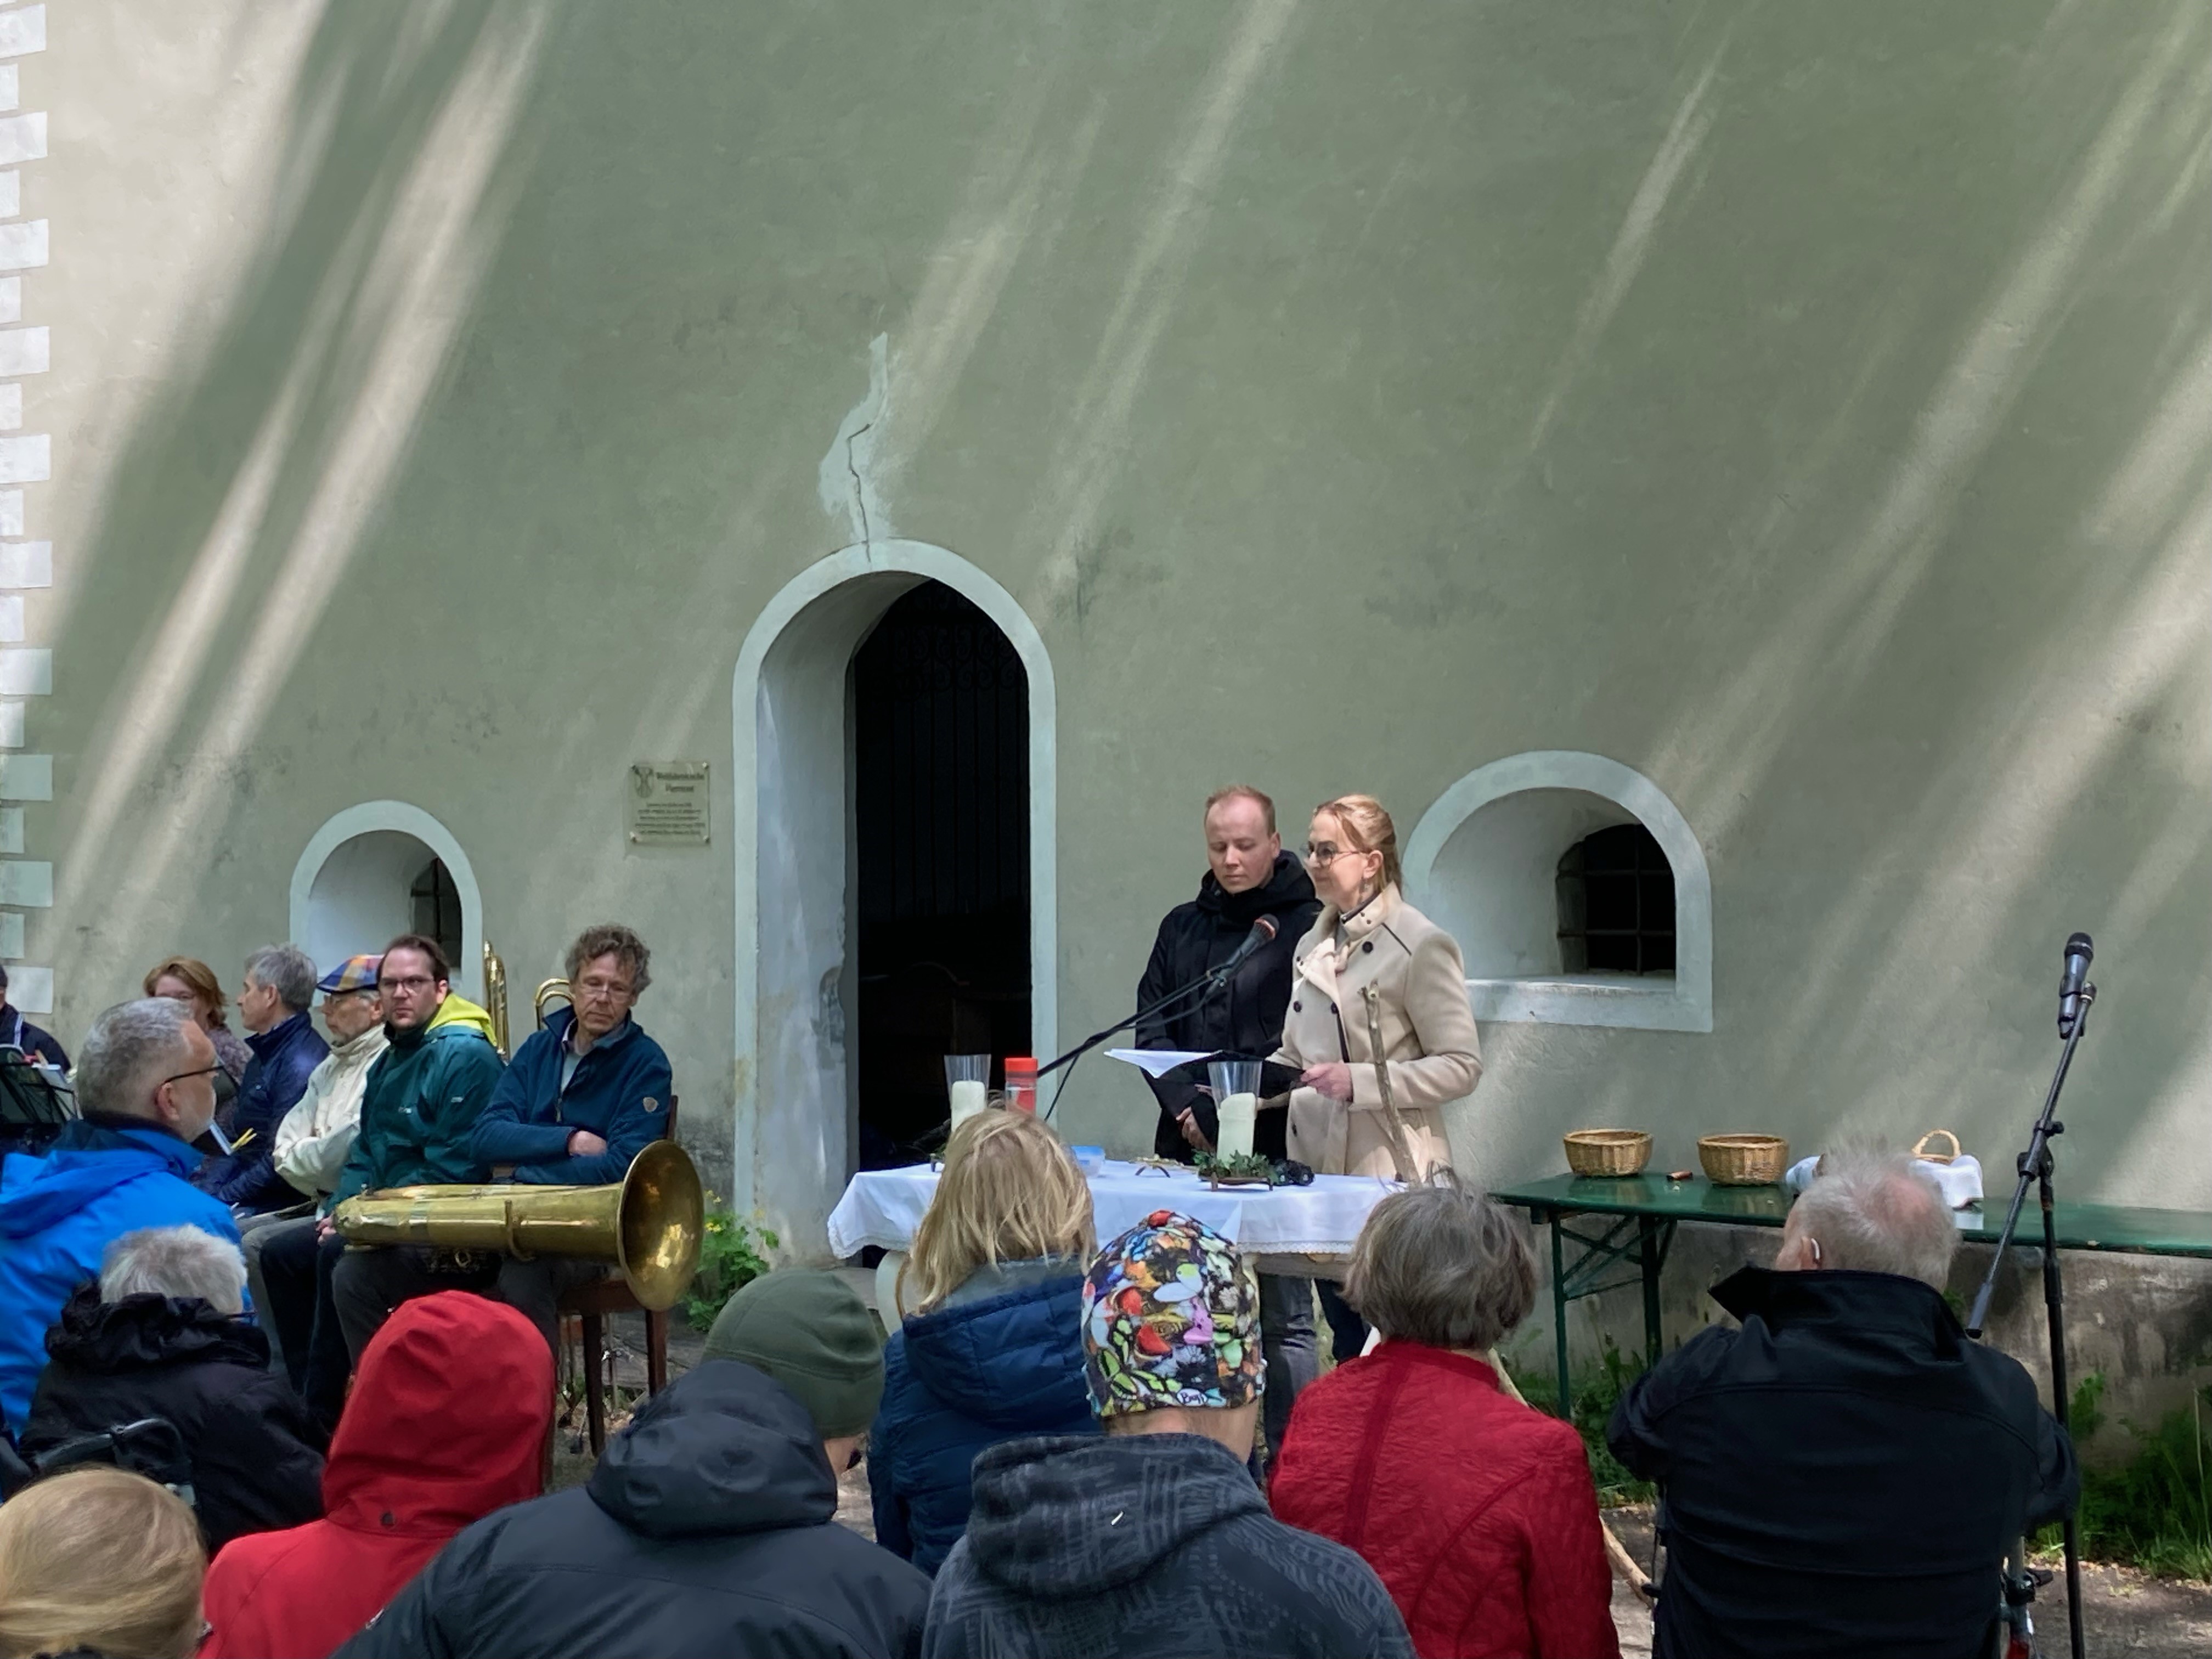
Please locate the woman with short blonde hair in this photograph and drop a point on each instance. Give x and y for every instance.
(102, 1560)
(192, 982)
(994, 1350)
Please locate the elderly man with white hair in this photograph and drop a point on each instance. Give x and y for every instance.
(160, 1336)
(280, 984)
(145, 1091)
(1842, 1474)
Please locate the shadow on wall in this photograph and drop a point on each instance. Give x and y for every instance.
(250, 479)
(2058, 625)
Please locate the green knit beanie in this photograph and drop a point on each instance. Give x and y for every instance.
(811, 1333)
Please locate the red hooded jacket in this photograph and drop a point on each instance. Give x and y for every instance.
(1477, 1513)
(447, 1423)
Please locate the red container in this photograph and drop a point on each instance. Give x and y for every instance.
(1021, 1084)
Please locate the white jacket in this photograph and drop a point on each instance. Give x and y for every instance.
(317, 1133)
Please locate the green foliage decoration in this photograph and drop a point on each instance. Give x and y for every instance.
(730, 1258)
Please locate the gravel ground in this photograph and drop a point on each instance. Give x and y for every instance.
(2128, 1612)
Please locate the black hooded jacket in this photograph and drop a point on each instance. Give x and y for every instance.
(1144, 1545)
(705, 1530)
(1841, 1475)
(1247, 1015)
(251, 1444)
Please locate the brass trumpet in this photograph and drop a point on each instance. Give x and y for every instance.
(648, 1225)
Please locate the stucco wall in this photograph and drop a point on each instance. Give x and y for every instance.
(1807, 406)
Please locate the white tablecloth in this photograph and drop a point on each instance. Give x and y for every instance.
(883, 1207)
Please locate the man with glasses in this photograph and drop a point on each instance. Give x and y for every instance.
(418, 1110)
(583, 1096)
(145, 1091)
(310, 1149)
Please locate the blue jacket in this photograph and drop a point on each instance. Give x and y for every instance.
(619, 1091)
(284, 1056)
(963, 1378)
(104, 1178)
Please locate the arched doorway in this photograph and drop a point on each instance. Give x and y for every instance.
(939, 900)
(797, 837)
(383, 868)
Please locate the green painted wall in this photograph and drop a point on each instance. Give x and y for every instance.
(1807, 406)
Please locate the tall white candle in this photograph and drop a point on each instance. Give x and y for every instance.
(1236, 1115)
(967, 1099)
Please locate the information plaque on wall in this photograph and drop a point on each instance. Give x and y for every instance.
(668, 803)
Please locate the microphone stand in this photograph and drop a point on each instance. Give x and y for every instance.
(2036, 1165)
(1203, 986)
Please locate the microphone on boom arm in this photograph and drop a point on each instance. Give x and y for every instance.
(2078, 955)
(1263, 931)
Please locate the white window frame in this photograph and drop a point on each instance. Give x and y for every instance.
(1683, 1003)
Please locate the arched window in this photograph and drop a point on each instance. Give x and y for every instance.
(1576, 890)
(1616, 894)
(437, 904)
(382, 868)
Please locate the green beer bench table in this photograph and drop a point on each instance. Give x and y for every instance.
(1626, 1223)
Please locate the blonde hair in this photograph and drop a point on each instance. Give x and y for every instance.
(1243, 791)
(1010, 1193)
(100, 1558)
(1368, 828)
(205, 988)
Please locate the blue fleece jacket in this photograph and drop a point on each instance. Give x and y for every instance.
(619, 1091)
(103, 1178)
(965, 1378)
(284, 1057)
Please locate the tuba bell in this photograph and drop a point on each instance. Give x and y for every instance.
(648, 1225)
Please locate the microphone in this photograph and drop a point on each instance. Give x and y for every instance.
(2078, 954)
(1263, 930)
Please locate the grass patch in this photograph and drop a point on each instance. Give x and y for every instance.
(1595, 1397)
(2154, 1511)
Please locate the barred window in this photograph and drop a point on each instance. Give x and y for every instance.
(436, 904)
(1616, 895)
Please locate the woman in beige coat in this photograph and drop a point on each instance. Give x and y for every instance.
(1378, 1023)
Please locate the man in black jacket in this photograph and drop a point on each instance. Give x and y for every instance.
(1248, 875)
(1841, 1475)
(707, 1528)
(1152, 1538)
(161, 1336)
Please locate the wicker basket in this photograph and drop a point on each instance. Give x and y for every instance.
(1743, 1160)
(1608, 1151)
(1920, 1146)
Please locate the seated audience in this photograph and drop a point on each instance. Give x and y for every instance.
(418, 1109)
(995, 1350)
(447, 1422)
(707, 1528)
(1154, 1539)
(1843, 1474)
(1479, 1513)
(312, 1144)
(280, 984)
(161, 1336)
(145, 1092)
(192, 982)
(16, 1032)
(581, 1099)
(100, 1561)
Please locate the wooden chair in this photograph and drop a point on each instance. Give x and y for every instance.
(592, 1304)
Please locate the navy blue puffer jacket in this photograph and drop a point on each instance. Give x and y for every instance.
(978, 1370)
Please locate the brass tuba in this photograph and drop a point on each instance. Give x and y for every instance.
(550, 992)
(495, 980)
(648, 1225)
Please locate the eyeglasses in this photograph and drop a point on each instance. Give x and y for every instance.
(1325, 855)
(414, 985)
(204, 1071)
(614, 989)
